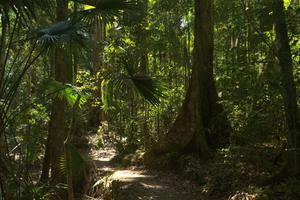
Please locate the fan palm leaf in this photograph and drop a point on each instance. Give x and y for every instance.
(151, 90)
(105, 9)
(63, 32)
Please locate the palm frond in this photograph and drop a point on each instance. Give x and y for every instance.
(63, 32)
(151, 90)
(78, 161)
(27, 8)
(105, 9)
(62, 164)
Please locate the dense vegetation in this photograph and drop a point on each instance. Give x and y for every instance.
(206, 89)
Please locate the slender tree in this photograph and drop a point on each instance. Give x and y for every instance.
(3, 46)
(283, 52)
(57, 130)
(97, 114)
(4, 25)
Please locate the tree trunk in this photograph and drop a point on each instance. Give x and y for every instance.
(97, 115)
(283, 52)
(57, 129)
(3, 48)
(46, 161)
(194, 129)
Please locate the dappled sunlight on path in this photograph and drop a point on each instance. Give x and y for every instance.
(133, 183)
(137, 183)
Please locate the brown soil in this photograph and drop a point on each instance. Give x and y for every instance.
(236, 173)
(133, 183)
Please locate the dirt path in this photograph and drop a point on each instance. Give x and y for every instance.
(133, 183)
(235, 173)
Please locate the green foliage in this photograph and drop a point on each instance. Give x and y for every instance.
(106, 94)
(63, 32)
(106, 10)
(138, 73)
(151, 90)
(64, 91)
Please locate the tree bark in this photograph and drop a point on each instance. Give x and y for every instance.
(46, 161)
(283, 52)
(57, 129)
(196, 128)
(3, 48)
(97, 115)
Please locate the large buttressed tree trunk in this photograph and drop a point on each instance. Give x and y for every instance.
(200, 124)
(283, 52)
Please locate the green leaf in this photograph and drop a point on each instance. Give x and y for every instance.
(64, 91)
(106, 94)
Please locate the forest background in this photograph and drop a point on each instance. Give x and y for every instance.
(175, 82)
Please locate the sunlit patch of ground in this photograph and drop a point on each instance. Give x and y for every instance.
(133, 183)
(130, 175)
(235, 173)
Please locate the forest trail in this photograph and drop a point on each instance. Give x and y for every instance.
(233, 174)
(133, 183)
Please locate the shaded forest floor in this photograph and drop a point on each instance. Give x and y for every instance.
(235, 173)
